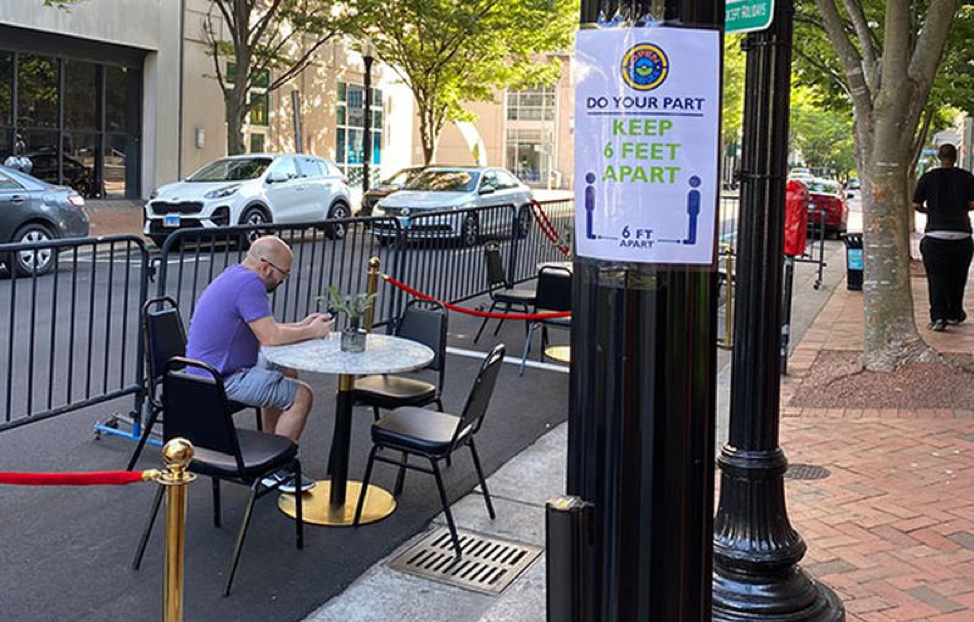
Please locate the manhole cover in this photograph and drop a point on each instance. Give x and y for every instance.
(488, 564)
(806, 471)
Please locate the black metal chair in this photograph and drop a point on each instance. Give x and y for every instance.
(427, 323)
(435, 436)
(196, 408)
(499, 291)
(554, 294)
(164, 337)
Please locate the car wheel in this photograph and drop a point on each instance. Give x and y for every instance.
(254, 216)
(470, 230)
(29, 262)
(338, 230)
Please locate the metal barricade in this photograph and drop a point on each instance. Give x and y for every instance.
(69, 329)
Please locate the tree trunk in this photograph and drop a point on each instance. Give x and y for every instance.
(236, 112)
(429, 132)
(891, 336)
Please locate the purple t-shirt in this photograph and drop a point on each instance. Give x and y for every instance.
(218, 332)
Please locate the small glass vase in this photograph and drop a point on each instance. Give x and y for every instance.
(353, 338)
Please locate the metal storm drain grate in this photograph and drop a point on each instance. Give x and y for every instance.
(806, 471)
(488, 565)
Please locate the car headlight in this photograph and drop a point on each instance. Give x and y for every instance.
(222, 192)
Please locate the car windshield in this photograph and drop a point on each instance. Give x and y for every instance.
(823, 187)
(403, 177)
(232, 169)
(445, 181)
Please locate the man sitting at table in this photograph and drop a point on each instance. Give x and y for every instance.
(233, 319)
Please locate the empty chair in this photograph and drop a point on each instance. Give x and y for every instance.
(163, 337)
(434, 436)
(499, 291)
(426, 323)
(196, 408)
(554, 294)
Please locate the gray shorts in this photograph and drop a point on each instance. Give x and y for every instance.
(263, 385)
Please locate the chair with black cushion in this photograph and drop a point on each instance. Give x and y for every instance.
(554, 295)
(426, 323)
(435, 436)
(163, 337)
(196, 408)
(499, 291)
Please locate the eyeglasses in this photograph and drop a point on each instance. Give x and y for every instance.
(286, 273)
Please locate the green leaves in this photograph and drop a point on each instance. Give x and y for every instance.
(352, 305)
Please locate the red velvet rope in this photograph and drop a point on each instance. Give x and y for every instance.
(500, 316)
(98, 478)
(546, 226)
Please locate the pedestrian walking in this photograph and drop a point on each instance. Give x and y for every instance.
(946, 196)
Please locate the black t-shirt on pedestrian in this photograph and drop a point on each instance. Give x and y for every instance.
(947, 193)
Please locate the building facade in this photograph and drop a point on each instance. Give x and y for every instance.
(117, 97)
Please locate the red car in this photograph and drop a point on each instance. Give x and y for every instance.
(826, 202)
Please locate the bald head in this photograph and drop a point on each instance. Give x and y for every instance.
(271, 248)
(271, 259)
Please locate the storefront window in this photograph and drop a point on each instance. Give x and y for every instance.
(6, 90)
(528, 154)
(81, 95)
(537, 104)
(37, 97)
(350, 134)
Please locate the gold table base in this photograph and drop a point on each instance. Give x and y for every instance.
(318, 509)
(562, 354)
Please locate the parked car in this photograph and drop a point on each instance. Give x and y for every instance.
(385, 188)
(251, 189)
(826, 203)
(440, 189)
(32, 210)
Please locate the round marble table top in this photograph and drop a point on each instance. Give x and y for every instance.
(384, 354)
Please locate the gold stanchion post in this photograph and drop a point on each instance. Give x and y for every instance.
(371, 286)
(177, 454)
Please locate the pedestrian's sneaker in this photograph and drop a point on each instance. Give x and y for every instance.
(957, 320)
(938, 326)
(276, 478)
(289, 487)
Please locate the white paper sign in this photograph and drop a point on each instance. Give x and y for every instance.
(647, 125)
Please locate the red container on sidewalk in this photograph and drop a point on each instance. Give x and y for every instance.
(796, 217)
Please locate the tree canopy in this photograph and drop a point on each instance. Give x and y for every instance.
(450, 52)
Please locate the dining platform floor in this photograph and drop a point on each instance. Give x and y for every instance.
(65, 553)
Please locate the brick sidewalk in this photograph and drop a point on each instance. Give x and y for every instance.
(892, 528)
(115, 217)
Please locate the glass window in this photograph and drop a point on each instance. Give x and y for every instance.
(121, 175)
(490, 181)
(262, 79)
(445, 181)
(507, 181)
(257, 143)
(341, 115)
(235, 169)
(285, 167)
(37, 97)
(81, 95)
(311, 167)
(260, 109)
(342, 87)
(535, 104)
(376, 147)
(6, 89)
(340, 144)
(355, 153)
(7, 183)
(80, 162)
(122, 96)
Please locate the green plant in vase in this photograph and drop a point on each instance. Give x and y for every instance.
(354, 306)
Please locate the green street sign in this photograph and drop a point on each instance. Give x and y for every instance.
(748, 15)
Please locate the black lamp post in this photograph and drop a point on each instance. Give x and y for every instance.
(756, 550)
(368, 55)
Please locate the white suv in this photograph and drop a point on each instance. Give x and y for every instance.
(251, 189)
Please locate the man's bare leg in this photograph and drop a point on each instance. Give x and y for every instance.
(290, 423)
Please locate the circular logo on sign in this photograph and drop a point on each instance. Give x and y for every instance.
(645, 67)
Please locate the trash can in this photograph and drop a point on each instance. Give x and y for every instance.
(567, 529)
(853, 261)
